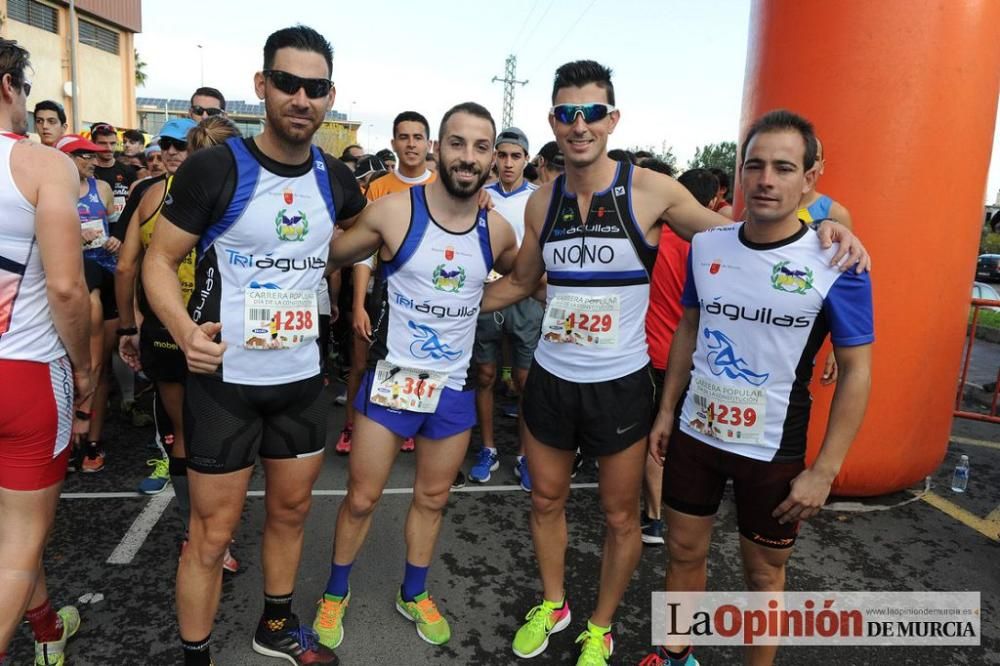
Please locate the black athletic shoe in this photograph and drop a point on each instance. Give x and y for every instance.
(459, 481)
(294, 642)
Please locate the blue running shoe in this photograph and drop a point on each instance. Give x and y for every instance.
(487, 462)
(652, 532)
(521, 472)
(158, 479)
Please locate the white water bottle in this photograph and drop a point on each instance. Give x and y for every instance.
(960, 479)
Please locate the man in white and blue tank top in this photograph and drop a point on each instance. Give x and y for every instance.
(425, 303)
(760, 299)
(594, 232)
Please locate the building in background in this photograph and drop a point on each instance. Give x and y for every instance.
(336, 133)
(104, 50)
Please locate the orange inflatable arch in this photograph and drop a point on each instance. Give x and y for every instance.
(904, 95)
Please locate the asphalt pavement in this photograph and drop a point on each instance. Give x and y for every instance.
(484, 577)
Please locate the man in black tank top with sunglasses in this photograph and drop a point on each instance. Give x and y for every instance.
(594, 231)
(261, 212)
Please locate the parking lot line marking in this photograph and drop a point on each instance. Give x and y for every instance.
(101, 495)
(975, 442)
(320, 493)
(984, 526)
(140, 529)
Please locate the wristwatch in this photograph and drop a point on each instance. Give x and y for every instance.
(131, 330)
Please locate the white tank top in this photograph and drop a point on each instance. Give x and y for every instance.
(275, 235)
(599, 253)
(26, 329)
(429, 296)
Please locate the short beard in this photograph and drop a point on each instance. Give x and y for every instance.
(455, 190)
(273, 117)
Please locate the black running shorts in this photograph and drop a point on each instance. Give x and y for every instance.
(601, 418)
(104, 281)
(226, 426)
(695, 475)
(162, 360)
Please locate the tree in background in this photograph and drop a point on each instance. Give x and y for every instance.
(715, 155)
(140, 70)
(665, 153)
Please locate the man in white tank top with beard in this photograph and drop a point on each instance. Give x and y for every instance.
(426, 299)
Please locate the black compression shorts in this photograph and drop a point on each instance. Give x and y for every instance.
(226, 426)
(695, 475)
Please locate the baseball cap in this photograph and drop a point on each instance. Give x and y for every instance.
(71, 143)
(177, 128)
(154, 146)
(550, 152)
(515, 136)
(368, 164)
(385, 154)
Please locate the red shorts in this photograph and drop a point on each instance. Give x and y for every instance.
(36, 422)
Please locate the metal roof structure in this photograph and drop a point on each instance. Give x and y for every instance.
(234, 107)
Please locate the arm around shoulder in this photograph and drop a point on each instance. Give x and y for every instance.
(529, 264)
(364, 236)
(503, 241)
(840, 213)
(660, 197)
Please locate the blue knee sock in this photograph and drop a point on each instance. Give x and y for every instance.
(414, 581)
(337, 585)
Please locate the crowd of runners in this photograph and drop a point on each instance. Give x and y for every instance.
(635, 321)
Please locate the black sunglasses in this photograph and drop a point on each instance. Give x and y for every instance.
(290, 84)
(206, 111)
(166, 143)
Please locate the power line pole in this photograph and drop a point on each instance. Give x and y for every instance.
(510, 71)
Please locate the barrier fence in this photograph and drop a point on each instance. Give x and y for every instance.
(978, 304)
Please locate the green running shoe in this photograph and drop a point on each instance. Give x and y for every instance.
(542, 621)
(329, 622)
(431, 626)
(52, 653)
(597, 647)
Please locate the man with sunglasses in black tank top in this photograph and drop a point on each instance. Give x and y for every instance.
(594, 232)
(261, 212)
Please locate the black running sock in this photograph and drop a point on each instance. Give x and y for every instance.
(277, 611)
(197, 653)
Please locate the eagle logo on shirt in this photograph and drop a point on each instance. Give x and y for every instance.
(291, 227)
(445, 279)
(791, 280)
